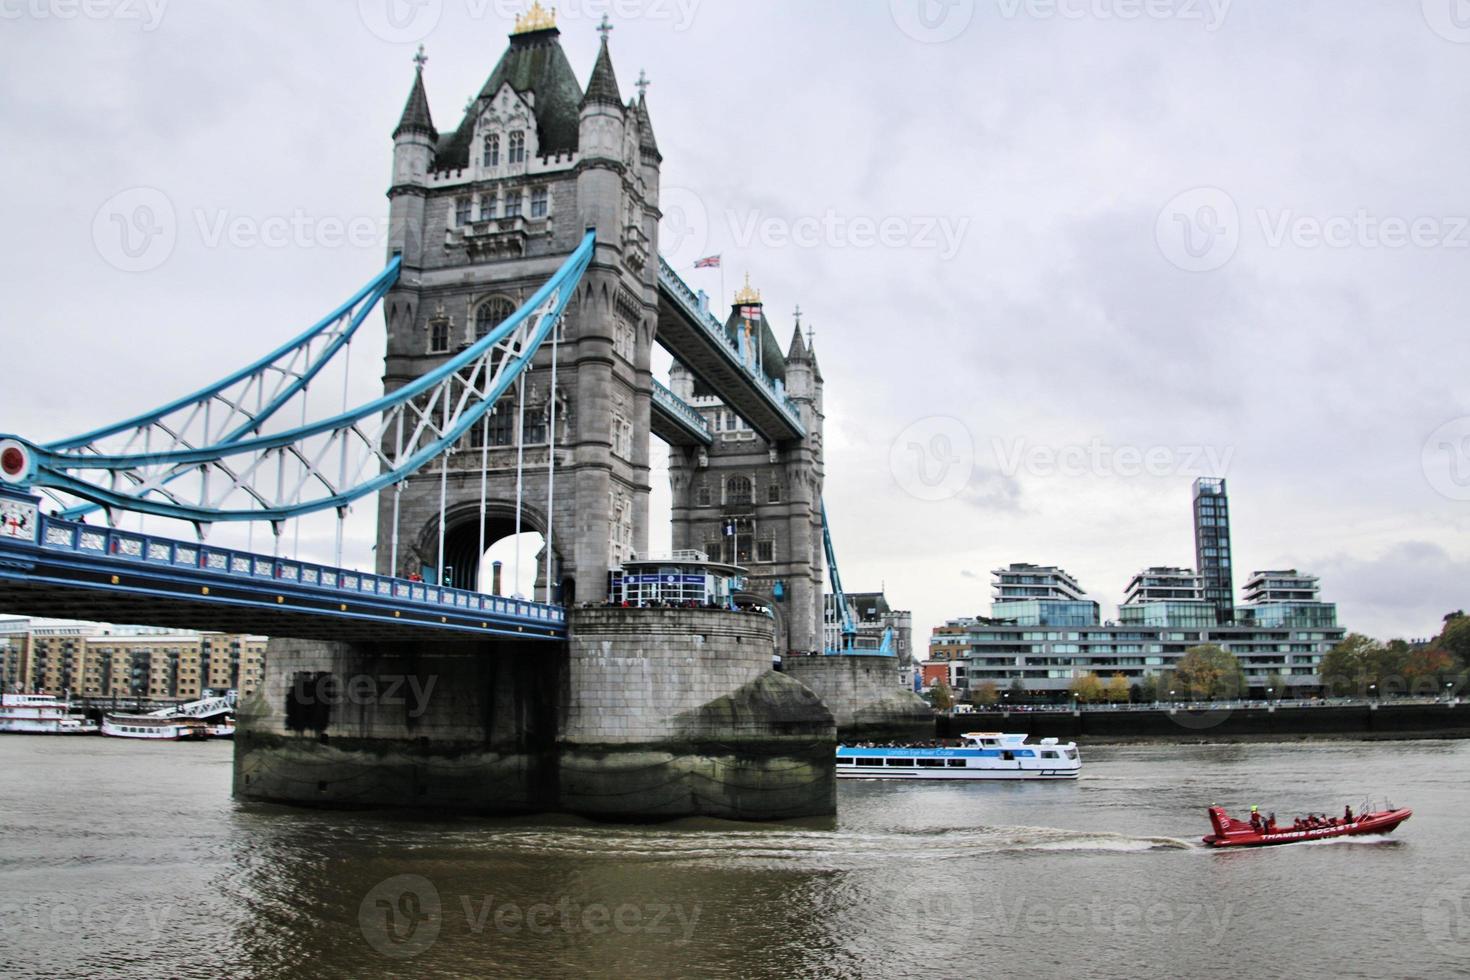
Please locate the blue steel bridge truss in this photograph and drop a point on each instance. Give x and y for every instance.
(243, 449)
(246, 450)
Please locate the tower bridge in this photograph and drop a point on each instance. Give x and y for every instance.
(523, 294)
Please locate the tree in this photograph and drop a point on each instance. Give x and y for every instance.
(941, 696)
(986, 694)
(1275, 686)
(1207, 671)
(1148, 688)
(1086, 688)
(1361, 666)
(1018, 690)
(1117, 689)
(1427, 672)
(1455, 639)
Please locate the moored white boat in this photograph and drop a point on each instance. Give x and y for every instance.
(41, 714)
(154, 728)
(980, 755)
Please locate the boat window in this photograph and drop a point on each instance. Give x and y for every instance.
(958, 763)
(1008, 756)
(1048, 755)
(844, 762)
(901, 762)
(870, 762)
(1070, 753)
(931, 763)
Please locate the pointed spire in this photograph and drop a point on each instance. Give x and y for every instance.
(797, 350)
(602, 87)
(646, 142)
(416, 117)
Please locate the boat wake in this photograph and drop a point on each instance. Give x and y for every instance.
(823, 848)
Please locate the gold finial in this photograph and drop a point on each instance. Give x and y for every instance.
(748, 296)
(538, 18)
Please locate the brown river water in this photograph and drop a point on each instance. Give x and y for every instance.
(127, 859)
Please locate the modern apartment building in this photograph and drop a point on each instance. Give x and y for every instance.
(97, 660)
(1278, 643)
(1212, 547)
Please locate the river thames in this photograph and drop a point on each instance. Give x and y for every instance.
(126, 859)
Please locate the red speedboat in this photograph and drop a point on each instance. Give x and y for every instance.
(1230, 832)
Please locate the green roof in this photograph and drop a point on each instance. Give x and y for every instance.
(534, 63)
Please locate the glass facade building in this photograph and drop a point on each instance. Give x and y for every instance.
(1212, 547)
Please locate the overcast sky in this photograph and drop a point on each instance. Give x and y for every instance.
(1061, 257)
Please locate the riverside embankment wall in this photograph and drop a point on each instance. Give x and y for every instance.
(1385, 720)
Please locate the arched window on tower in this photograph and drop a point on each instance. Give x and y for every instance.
(516, 148)
(737, 490)
(492, 150)
(491, 314)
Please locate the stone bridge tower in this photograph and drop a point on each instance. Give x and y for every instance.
(482, 217)
(752, 501)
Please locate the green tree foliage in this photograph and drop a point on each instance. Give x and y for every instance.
(1087, 688)
(986, 694)
(941, 696)
(1362, 667)
(1276, 686)
(1207, 672)
(1148, 689)
(1117, 689)
(1454, 639)
(1018, 690)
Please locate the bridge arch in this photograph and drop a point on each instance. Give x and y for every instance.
(462, 552)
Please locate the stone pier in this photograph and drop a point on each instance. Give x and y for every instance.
(644, 714)
(865, 697)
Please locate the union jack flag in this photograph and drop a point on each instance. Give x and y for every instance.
(708, 262)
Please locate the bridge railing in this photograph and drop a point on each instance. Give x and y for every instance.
(160, 553)
(679, 407)
(702, 316)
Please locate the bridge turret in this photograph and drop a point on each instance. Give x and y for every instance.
(603, 144)
(413, 155)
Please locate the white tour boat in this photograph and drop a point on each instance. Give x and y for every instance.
(41, 714)
(980, 755)
(153, 727)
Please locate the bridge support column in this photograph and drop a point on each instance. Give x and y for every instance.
(458, 725)
(865, 697)
(677, 712)
(644, 714)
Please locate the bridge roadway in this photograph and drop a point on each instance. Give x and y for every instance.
(53, 567)
(692, 334)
